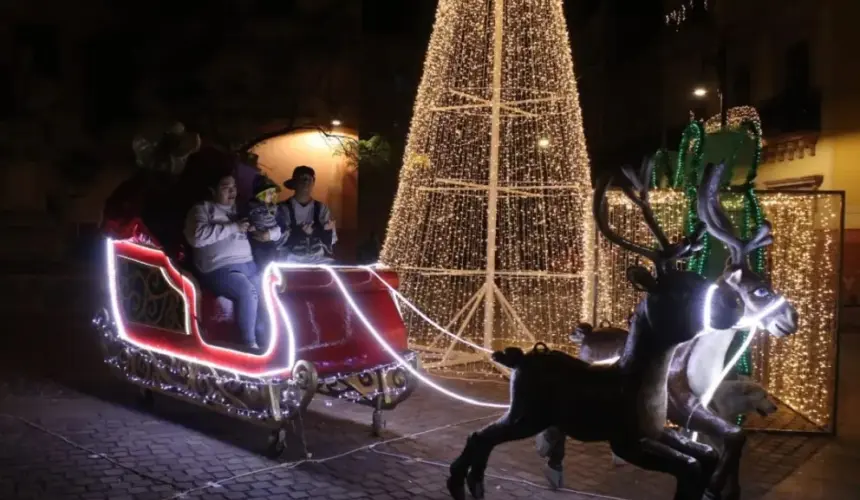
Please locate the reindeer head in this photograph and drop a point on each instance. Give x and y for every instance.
(758, 298)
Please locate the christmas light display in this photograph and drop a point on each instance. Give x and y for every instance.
(491, 231)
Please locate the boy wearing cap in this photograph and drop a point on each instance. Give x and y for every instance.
(262, 215)
(310, 233)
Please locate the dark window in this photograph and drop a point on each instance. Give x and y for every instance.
(43, 44)
(399, 83)
(108, 67)
(7, 94)
(741, 86)
(276, 9)
(797, 71)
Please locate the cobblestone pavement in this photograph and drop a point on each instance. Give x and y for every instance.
(68, 430)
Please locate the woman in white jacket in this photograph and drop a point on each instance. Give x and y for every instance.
(222, 253)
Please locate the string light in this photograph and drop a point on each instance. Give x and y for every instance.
(680, 13)
(496, 151)
(199, 352)
(176, 365)
(237, 395)
(736, 118)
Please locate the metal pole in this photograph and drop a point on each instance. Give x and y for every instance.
(493, 181)
(722, 68)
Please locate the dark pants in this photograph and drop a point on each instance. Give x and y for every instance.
(241, 283)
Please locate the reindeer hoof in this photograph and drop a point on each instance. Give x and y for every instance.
(554, 477)
(476, 487)
(456, 489)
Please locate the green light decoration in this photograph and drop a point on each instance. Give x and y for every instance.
(661, 168)
(687, 175)
(692, 141)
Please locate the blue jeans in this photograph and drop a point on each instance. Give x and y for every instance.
(241, 283)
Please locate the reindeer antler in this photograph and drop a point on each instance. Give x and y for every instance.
(601, 216)
(718, 223)
(667, 253)
(642, 184)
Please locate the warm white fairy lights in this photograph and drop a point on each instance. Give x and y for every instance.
(615, 297)
(802, 264)
(736, 117)
(680, 13)
(495, 165)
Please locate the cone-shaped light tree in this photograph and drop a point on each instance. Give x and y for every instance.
(491, 228)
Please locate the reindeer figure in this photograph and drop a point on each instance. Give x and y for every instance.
(697, 365)
(624, 403)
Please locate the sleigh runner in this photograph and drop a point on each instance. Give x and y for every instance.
(335, 331)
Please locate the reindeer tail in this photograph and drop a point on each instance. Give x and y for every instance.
(510, 357)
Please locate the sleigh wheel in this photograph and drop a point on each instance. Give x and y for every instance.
(305, 377)
(277, 443)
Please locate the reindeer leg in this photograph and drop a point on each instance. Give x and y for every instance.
(460, 468)
(550, 445)
(728, 465)
(504, 430)
(650, 454)
(554, 470)
(546, 441)
(707, 457)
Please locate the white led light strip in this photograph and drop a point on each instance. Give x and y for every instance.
(267, 295)
(275, 268)
(399, 297)
(380, 339)
(395, 355)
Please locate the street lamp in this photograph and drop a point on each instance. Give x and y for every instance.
(702, 92)
(543, 142)
(335, 123)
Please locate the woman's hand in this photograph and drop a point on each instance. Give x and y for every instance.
(262, 236)
(243, 226)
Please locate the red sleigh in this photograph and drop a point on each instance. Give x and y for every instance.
(334, 330)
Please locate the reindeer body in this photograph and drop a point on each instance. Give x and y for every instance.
(629, 395)
(695, 366)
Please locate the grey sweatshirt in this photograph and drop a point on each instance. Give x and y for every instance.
(211, 229)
